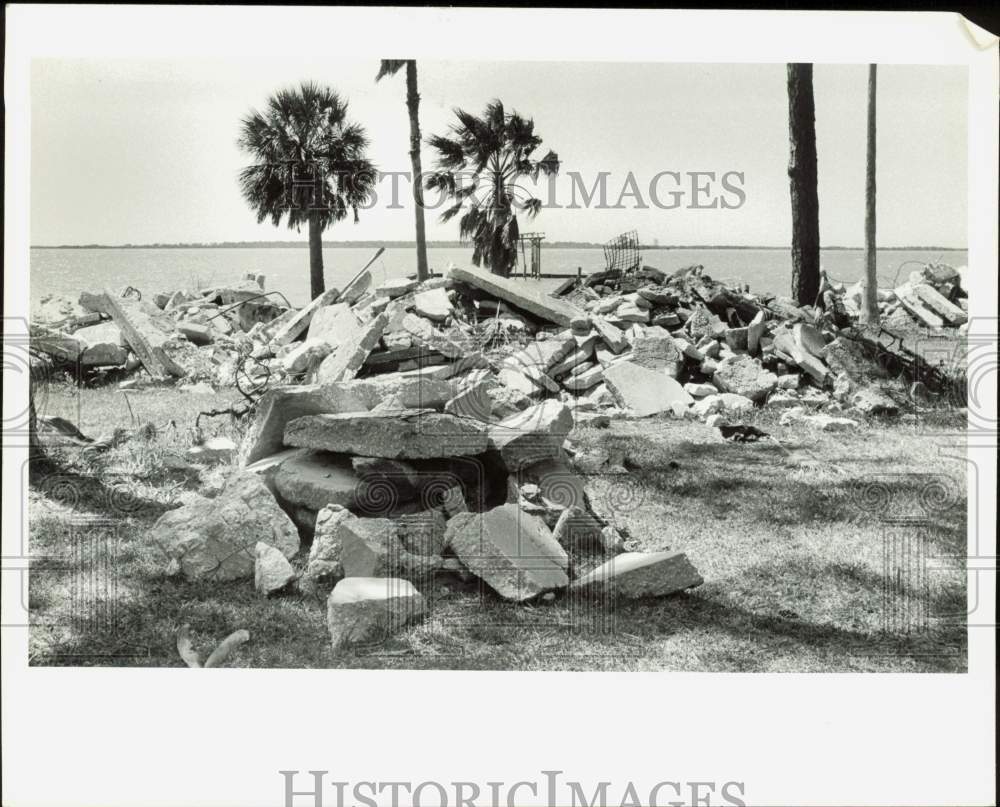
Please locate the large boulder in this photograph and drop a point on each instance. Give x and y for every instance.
(743, 375)
(641, 574)
(216, 539)
(535, 434)
(512, 551)
(370, 609)
(403, 434)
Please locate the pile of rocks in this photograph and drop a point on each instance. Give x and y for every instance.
(197, 336)
(688, 345)
(388, 486)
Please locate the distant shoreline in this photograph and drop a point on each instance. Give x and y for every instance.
(455, 245)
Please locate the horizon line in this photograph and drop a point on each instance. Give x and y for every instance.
(271, 244)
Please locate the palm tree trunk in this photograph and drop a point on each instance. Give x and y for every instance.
(413, 104)
(802, 177)
(316, 280)
(869, 304)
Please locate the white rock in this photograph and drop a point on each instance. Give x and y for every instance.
(272, 571)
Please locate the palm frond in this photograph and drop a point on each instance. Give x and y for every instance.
(389, 67)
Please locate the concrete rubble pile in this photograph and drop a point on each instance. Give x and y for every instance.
(379, 487)
(687, 345)
(409, 429)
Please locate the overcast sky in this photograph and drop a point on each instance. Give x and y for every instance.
(142, 152)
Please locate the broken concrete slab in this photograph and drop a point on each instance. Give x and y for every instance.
(433, 304)
(335, 324)
(744, 376)
(425, 333)
(512, 551)
(272, 571)
(657, 350)
(591, 376)
(146, 329)
(422, 533)
(290, 330)
(349, 356)
(104, 345)
(396, 287)
(315, 479)
(940, 305)
(644, 391)
(324, 568)
(473, 402)
(641, 574)
(278, 406)
(518, 294)
(370, 609)
(577, 530)
(305, 356)
(915, 306)
(356, 288)
(215, 539)
(611, 335)
(535, 434)
(403, 434)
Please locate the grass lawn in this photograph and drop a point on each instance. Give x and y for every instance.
(814, 548)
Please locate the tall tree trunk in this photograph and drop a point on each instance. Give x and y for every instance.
(316, 280)
(869, 304)
(802, 177)
(413, 104)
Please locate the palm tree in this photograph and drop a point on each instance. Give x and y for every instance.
(478, 168)
(390, 67)
(802, 178)
(869, 302)
(310, 165)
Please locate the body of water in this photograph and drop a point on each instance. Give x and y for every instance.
(70, 271)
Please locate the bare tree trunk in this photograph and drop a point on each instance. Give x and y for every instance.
(413, 104)
(316, 280)
(802, 177)
(869, 305)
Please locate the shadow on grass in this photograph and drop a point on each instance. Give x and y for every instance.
(106, 495)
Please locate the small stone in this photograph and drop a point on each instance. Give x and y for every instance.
(272, 571)
(369, 609)
(700, 390)
(872, 401)
(213, 450)
(828, 423)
